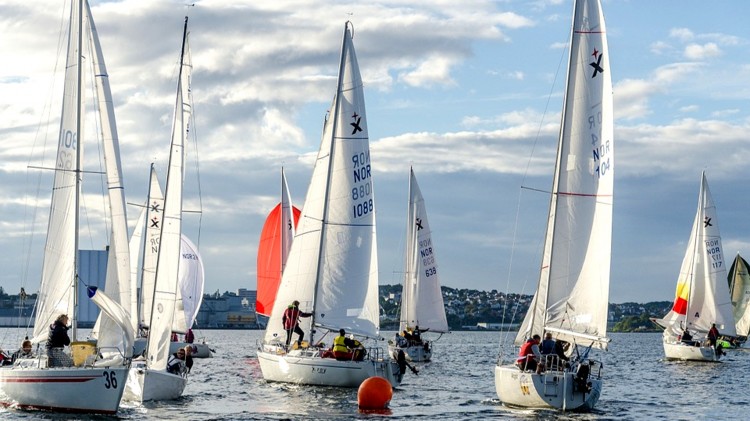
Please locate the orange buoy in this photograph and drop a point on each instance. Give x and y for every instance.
(374, 393)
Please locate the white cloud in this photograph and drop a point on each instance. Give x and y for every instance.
(702, 52)
(682, 34)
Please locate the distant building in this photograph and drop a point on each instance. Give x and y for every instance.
(228, 311)
(92, 269)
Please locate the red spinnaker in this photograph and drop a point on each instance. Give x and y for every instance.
(269, 260)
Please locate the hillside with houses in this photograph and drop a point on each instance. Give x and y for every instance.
(466, 309)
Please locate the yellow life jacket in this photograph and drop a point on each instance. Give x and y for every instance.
(339, 345)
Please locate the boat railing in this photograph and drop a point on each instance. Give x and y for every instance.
(553, 362)
(375, 354)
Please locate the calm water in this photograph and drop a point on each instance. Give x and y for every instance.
(457, 385)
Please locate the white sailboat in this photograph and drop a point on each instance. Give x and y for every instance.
(572, 294)
(702, 296)
(739, 291)
(273, 249)
(421, 298)
(149, 378)
(95, 383)
(332, 265)
(144, 244)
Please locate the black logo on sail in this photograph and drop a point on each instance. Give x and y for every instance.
(597, 65)
(355, 124)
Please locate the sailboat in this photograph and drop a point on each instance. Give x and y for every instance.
(145, 246)
(702, 296)
(96, 381)
(273, 249)
(149, 378)
(332, 265)
(572, 294)
(421, 298)
(739, 291)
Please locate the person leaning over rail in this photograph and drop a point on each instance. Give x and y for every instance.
(57, 340)
(529, 358)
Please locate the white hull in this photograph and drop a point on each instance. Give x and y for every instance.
(199, 350)
(152, 385)
(415, 353)
(307, 367)
(552, 389)
(685, 352)
(74, 389)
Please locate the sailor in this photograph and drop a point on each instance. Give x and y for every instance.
(529, 358)
(181, 361)
(58, 338)
(290, 319)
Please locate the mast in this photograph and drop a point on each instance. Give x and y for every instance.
(78, 172)
(171, 225)
(323, 230)
(406, 291)
(698, 236)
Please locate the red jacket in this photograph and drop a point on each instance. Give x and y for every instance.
(527, 351)
(291, 317)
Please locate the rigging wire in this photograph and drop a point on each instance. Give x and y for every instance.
(504, 337)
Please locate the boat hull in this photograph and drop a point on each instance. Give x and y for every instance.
(145, 384)
(553, 389)
(309, 368)
(684, 352)
(416, 353)
(69, 389)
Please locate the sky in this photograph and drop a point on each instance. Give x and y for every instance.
(469, 93)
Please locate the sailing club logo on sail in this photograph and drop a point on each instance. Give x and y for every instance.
(361, 192)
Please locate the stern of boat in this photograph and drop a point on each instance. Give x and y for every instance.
(566, 390)
(89, 389)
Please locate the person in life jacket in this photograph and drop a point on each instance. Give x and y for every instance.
(290, 320)
(181, 361)
(343, 347)
(529, 358)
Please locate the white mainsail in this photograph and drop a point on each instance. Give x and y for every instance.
(332, 266)
(168, 262)
(739, 288)
(702, 295)
(421, 298)
(573, 290)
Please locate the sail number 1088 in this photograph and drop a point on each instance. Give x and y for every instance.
(366, 206)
